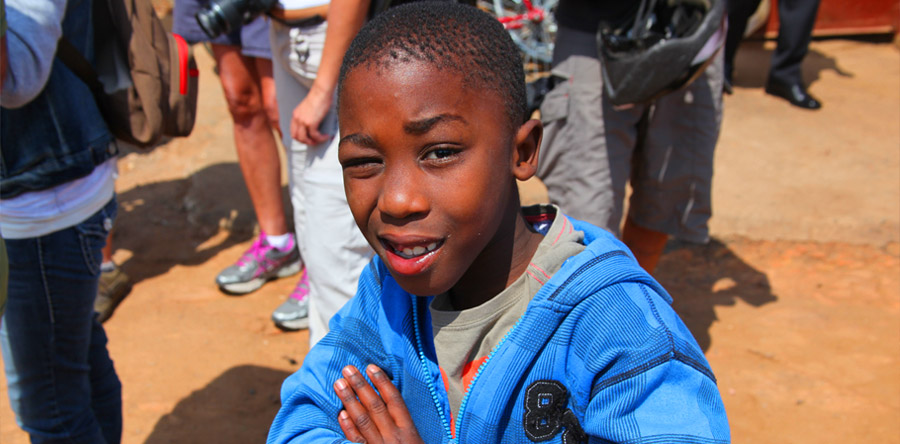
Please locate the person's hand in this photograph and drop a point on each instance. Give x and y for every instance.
(308, 115)
(369, 418)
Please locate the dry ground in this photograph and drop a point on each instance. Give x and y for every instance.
(796, 301)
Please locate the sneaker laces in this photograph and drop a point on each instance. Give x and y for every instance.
(301, 291)
(256, 252)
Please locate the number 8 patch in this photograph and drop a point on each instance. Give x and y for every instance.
(546, 413)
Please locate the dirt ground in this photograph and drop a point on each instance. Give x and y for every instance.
(796, 300)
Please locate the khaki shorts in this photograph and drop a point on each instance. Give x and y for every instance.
(665, 150)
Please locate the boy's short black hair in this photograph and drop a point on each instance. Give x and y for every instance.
(449, 36)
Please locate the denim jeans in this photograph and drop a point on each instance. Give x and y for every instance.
(62, 384)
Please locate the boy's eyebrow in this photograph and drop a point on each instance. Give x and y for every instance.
(423, 126)
(358, 139)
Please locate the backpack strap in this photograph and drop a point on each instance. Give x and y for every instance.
(72, 58)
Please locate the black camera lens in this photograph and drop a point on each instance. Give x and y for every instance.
(225, 16)
(220, 17)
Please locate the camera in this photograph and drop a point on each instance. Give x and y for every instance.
(224, 16)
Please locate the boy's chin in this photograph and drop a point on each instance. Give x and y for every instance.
(420, 286)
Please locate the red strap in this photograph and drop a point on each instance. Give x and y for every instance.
(182, 63)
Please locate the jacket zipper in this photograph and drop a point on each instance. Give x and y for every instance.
(433, 390)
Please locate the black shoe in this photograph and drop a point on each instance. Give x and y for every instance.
(794, 93)
(726, 87)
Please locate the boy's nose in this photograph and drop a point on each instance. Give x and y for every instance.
(402, 196)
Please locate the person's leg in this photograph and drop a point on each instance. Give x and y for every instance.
(586, 150)
(645, 244)
(673, 167)
(739, 12)
(337, 250)
(334, 248)
(796, 20)
(62, 384)
(267, 90)
(253, 138)
(292, 87)
(261, 167)
(114, 284)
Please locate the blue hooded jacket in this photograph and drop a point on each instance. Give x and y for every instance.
(599, 356)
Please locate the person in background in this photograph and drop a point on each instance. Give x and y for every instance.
(308, 39)
(57, 191)
(244, 66)
(592, 148)
(796, 19)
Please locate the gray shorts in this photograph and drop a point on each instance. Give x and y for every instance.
(665, 149)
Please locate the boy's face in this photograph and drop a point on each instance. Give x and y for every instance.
(429, 167)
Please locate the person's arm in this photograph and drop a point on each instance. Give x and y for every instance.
(290, 15)
(345, 18)
(309, 405)
(35, 27)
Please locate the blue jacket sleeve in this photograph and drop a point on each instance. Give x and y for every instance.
(651, 381)
(309, 406)
(671, 402)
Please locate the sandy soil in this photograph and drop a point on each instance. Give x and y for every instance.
(796, 301)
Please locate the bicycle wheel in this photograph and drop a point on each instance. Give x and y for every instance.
(531, 24)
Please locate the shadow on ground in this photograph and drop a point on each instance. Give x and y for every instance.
(236, 407)
(164, 225)
(752, 62)
(181, 222)
(701, 277)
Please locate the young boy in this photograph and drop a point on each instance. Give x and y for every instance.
(480, 321)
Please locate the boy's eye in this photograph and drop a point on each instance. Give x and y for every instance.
(361, 166)
(440, 153)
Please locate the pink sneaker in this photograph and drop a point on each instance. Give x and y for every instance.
(258, 265)
(293, 314)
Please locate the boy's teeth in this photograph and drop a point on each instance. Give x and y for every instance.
(418, 250)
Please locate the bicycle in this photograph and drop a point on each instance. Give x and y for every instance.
(531, 24)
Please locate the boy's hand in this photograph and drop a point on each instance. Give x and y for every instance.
(369, 418)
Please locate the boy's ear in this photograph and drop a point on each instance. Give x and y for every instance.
(525, 151)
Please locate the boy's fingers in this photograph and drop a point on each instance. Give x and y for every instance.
(356, 412)
(391, 397)
(377, 410)
(349, 429)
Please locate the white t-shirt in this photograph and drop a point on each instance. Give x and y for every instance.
(38, 213)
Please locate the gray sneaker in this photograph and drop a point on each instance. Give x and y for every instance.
(259, 264)
(293, 314)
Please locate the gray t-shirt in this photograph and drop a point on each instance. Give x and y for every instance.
(463, 339)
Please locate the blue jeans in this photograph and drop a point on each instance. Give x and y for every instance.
(62, 384)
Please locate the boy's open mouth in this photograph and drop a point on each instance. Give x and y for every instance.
(411, 251)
